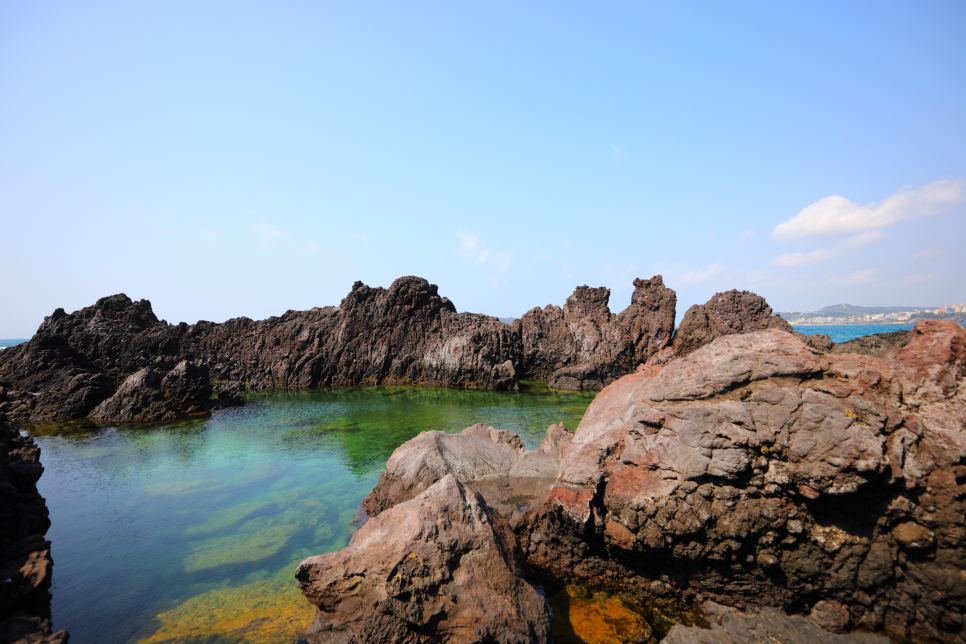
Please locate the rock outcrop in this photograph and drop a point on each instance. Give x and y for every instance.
(724, 314)
(757, 469)
(493, 462)
(875, 344)
(406, 334)
(440, 568)
(150, 397)
(25, 561)
(585, 333)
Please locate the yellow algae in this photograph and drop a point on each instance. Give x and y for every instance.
(255, 540)
(227, 517)
(584, 617)
(272, 611)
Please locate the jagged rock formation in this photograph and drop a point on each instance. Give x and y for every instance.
(584, 332)
(149, 396)
(875, 344)
(406, 334)
(757, 469)
(440, 568)
(493, 462)
(725, 314)
(25, 562)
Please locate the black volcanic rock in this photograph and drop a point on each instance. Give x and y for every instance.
(875, 344)
(149, 397)
(25, 562)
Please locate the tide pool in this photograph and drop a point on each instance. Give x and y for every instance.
(190, 532)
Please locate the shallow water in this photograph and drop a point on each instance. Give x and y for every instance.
(846, 332)
(190, 532)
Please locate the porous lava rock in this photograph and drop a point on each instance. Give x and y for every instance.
(761, 624)
(759, 470)
(725, 313)
(440, 568)
(493, 462)
(581, 377)
(149, 396)
(25, 561)
(585, 332)
(875, 344)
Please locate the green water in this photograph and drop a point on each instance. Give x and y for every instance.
(190, 532)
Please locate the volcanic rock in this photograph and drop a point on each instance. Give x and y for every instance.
(875, 344)
(760, 624)
(758, 470)
(25, 562)
(149, 397)
(441, 568)
(585, 332)
(493, 462)
(582, 377)
(725, 314)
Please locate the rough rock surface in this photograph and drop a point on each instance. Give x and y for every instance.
(757, 469)
(406, 334)
(441, 568)
(493, 462)
(875, 344)
(581, 377)
(585, 332)
(25, 562)
(760, 624)
(149, 396)
(725, 314)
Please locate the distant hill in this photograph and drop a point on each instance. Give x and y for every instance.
(851, 309)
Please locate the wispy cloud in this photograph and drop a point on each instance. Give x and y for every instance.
(855, 279)
(837, 215)
(702, 274)
(618, 154)
(267, 235)
(473, 249)
(209, 233)
(854, 242)
(929, 252)
(917, 278)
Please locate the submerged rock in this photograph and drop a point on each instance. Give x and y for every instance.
(25, 561)
(441, 567)
(757, 469)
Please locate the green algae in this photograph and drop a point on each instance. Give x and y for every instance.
(228, 517)
(256, 540)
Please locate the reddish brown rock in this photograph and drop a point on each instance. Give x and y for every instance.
(585, 332)
(725, 314)
(493, 462)
(440, 568)
(757, 469)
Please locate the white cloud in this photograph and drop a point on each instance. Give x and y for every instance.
(929, 252)
(854, 242)
(472, 248)
(855, 279)
(837, 215)
(917, 278)
(702, 274)
(269, 236)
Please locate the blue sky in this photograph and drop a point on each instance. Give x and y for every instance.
(228, 159)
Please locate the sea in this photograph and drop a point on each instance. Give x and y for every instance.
(10, 343)
(845, 332)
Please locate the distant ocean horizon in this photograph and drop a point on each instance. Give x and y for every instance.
(845, 332)
(10, 343)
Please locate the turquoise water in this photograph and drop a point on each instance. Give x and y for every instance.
(844, 332)
(190, 532)
(10, 343)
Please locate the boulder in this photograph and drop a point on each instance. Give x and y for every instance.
(149, 397)
(582, 377)
(875, 344)
(440, 568)
(759, 470)
(493, 462)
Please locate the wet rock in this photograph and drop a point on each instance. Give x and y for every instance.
(25, 561)
(725, 314)
(439, 568)
(149, 397)
(493, 462)
(757, 469)
(760, 624)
